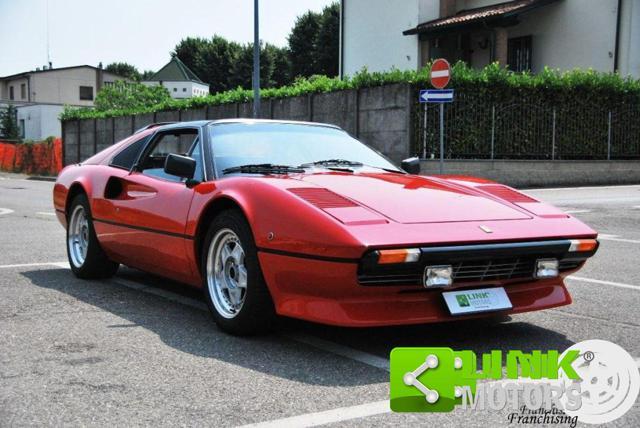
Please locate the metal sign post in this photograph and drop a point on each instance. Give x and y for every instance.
(438, 96)
(440, 77)
(441, 138)
(424, 133)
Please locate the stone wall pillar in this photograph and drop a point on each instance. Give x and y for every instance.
(501, 37)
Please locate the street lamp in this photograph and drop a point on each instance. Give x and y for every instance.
(256, 61)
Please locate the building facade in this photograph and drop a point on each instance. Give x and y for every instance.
(523, 34)
(179, 80)
(40, 96)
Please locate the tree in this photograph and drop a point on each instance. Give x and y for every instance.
(302, 44)
(9, 123)
(124, 69)
(123, 95)
(327, 42)
(214, 63)
(210, 59)
(147, 74)
(281, 75)
(188, 51)
(242, 67)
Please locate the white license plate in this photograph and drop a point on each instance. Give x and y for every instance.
(475, 301)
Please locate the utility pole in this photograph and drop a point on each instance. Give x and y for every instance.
(256, 61)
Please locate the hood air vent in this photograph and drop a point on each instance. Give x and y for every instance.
(322, 198)
(506, 193)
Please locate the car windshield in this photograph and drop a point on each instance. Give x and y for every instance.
(251, 143)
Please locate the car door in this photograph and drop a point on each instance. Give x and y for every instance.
(147, 208)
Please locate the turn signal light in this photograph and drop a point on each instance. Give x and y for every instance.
(583, 245)
(406, 255)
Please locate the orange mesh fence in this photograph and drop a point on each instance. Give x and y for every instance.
(33, 158)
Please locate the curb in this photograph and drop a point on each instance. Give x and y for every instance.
(41, 178)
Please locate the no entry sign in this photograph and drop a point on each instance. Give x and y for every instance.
(440, 73)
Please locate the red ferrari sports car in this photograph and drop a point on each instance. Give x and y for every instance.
(302, 220)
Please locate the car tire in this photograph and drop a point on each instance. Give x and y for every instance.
(86, 257)
(235, 289)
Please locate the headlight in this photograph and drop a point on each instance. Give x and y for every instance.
(546, 268)
(438, 276)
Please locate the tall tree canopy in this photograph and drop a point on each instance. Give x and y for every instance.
(327, 42)
(314, 43)
(302, 46)
(124, 69)
(313, 49)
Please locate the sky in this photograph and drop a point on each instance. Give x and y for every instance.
(140, 32)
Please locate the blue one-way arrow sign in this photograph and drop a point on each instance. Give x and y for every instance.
(436, 95)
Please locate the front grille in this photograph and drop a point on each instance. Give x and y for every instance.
(493, 269)
(465, 271)
(472, 263)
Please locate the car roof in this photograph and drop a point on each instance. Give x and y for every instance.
(199, 123)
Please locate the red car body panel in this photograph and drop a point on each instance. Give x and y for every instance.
(310, 249)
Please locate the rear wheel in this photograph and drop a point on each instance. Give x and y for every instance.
(86, 257)
(236, 292)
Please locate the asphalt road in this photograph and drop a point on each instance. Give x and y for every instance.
(139, 350)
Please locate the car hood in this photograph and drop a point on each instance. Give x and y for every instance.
(413, 199)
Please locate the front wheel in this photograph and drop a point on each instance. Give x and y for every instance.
(86, 258)
(235, 289)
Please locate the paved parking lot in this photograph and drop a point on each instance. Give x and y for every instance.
(139, 350)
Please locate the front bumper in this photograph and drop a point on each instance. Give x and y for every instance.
(328, 292)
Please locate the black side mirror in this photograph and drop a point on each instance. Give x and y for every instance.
(411, 165)
(180, 166)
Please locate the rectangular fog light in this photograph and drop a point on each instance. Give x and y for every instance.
(546, 268)
(438, 276)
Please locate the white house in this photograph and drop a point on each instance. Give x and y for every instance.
(179, 80)
(40, 95)
(523, 34)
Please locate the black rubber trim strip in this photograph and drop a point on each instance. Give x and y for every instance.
(144, 229)
(60, 211)
(466, 252)
(309, 256)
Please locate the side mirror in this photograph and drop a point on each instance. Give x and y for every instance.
(411, 165)
(181, 166)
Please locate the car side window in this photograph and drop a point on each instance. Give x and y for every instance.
(177, 142)
(128, 156)
(196, 153)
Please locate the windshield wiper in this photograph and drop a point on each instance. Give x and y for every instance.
(332, 162)
(343, 162)
(263, 168)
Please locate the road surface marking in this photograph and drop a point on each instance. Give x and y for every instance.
(47, 213)
(337, 349)
(599, 281)
(580, 188)
(616, 238)
(4, 211)
(20, 265)
(576, 211)
(328, 416)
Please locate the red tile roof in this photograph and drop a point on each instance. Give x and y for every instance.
(500, 10)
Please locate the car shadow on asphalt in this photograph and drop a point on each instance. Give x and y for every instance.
(192, 331)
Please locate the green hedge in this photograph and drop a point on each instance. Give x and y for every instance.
(531, 111)
(492, 84)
